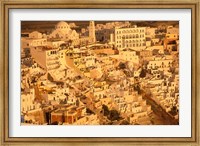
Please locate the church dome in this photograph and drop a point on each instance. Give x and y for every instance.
(62, 25)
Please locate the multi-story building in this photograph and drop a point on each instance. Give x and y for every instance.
(129, 55)
(172, 32)
(28, 101)
(55, 43)
(150, 32)
(133, 37)
(105, 32)
(46, 57)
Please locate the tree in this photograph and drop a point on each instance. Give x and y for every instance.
(143, 73)
(122, 65)
(174, 110)
(114, 115)
(124, 122)
(49, 77)
(105, 110)
(137, 88)
(89, 111)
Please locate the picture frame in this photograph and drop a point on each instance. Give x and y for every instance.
(7, 5)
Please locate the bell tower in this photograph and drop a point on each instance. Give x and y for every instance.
(92, 32)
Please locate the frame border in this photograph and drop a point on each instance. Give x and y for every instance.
(128, 4)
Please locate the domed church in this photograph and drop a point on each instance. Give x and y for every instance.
(63, 31)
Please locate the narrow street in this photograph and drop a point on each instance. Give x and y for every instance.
(159, 114)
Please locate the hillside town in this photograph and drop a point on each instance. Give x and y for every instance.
(111, 73)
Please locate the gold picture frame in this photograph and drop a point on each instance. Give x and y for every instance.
(127, 4)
